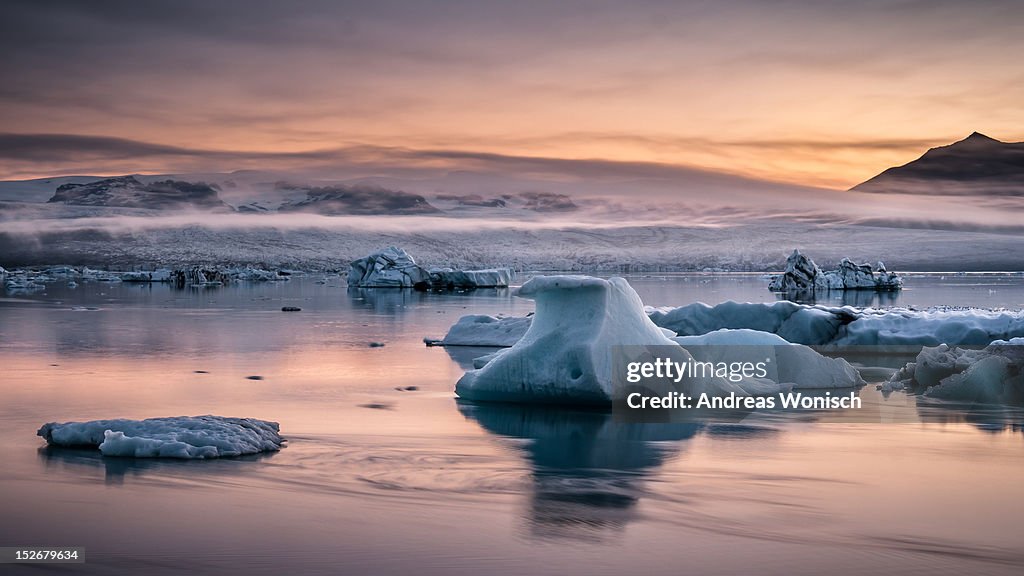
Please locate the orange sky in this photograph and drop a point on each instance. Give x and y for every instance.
(818, 93)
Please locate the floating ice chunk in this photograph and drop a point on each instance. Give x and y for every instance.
(795, 323)
(564, 355)
(483, 330)
(448, 278)
(932, 327)
(21, 284)
(793, 364)
(390, 268)
(994, 374)
(250, 274)
(803, 275)
(175, 437)
(845, 326)
(394, 268)
(161, 275)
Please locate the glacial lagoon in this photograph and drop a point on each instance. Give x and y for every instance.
(385, 469)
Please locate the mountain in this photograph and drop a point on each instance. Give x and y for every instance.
(129, 192)
(357, 199)
(976, 165)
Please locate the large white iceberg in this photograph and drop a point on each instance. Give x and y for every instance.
(993, 375)
(175, 437)
(484, 330)
(796, 365)
(803, 275)
(565, 355)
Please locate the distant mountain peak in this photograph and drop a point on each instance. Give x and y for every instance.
(978, 138)
(976, 165)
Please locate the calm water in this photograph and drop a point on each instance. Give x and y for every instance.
(387, 481)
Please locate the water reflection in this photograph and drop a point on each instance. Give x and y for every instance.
(117, 470)
(385, 300)
(855, 298)
(588, 472)
(985, 417)
(465, 355)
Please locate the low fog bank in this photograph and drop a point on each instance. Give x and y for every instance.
(478, 220)
(753, 247)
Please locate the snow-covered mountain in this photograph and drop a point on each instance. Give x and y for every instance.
(977, 164)
(358, 199)
(129, 192)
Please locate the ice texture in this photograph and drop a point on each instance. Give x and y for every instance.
(803, 275)
(797, 365)
(564, 355)
(391, 267)
(797, 323)
(161, 275)
(484, 330)
(846, 326)
(992, 375)
(191, 437)
(448, 278)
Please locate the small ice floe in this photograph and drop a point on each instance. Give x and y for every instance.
(992, 375)
(803, 275)
(483, 330)
(161, 275)
(189, 437)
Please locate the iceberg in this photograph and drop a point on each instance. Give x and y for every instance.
(484, 330)
(796, 323)
(846, 326)
(199, 277)
(564, 355)
(189, 437)
(797, 365)
(161, 275)
(389, 268)
(249, 274)
(394, 268)
(992, 375)
(803, 275)
(450, 279)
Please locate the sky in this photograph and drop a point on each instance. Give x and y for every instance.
(821, 94)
